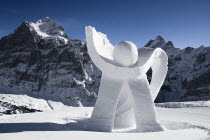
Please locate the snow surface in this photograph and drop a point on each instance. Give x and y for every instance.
(70, 123)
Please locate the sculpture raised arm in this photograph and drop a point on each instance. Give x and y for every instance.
(157, 59)
(95, 44)
(159, 71)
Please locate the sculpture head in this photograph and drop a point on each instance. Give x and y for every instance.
(125, 53)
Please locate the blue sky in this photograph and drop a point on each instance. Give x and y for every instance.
(184, 22)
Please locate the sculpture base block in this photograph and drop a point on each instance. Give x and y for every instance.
(149, 127)
(100, 125)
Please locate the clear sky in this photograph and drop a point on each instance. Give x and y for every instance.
(184, 22)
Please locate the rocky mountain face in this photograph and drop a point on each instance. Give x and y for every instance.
(188, 75)
(41, 60)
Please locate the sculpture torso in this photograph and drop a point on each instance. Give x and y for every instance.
(122, 73)
(139, 69)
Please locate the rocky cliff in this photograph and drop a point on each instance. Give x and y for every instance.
(41, 60)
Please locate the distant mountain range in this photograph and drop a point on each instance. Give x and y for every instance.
(188, 77)
(41, 60)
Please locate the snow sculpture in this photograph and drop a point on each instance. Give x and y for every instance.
(125, 98)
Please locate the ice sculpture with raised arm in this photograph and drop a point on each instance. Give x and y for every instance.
(125, 97)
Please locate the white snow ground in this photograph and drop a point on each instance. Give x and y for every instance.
(186, 123)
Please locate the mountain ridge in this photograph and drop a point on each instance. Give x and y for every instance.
(187, 77)
(54, 65)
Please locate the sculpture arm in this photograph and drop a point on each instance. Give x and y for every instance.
(94, 40)
(159, 71)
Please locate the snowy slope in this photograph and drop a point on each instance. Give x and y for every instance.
(70, 123)
(184, 104)
(15, 104)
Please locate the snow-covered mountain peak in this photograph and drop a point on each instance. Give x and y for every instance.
(49, 30)
(45, 19)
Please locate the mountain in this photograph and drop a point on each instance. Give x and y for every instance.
(188, 74)
(39, 59)
(160, 42)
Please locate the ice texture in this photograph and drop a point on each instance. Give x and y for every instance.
(125, 98)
